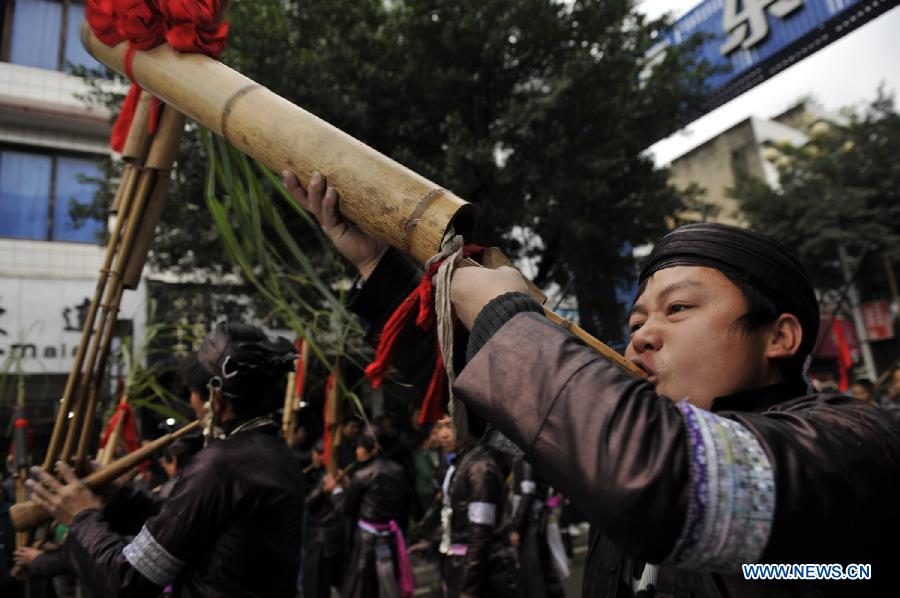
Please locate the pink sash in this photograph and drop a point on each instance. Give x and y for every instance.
(391, 527)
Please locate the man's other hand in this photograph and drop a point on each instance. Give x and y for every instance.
(321, 200)
(25, 555)
(473, 288)
(63, 502)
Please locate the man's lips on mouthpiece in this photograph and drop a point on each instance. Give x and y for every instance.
(652, 378)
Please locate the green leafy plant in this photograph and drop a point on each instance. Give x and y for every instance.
(278, 248)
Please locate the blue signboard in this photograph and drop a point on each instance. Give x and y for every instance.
(752, 40)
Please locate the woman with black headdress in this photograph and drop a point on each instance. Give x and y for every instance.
(377, 502)
(232, 525)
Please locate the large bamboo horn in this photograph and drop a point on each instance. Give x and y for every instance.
(390, 201)
(28, 515)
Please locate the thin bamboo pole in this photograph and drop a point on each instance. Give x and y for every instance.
(75, 374)
(593, 343)
(287, 417)
(22, 538)
(385, 198)
(135, 245)
(109, 451)
(28, 515)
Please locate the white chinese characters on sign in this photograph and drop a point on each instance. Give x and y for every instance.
(749, 25)
(41, 320)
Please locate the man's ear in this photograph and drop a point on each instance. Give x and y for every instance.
(787, 334)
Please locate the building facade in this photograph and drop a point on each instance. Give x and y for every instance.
(50, 143)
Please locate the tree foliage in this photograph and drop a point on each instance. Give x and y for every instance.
(841, 188)
(537, 111)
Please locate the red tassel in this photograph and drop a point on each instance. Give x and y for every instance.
(101, 16)
(123, 122)
(432, 408)
(140, 22)
(189, 26)
(384, 354)
(420, 301)
(196, 25)
(845, 361)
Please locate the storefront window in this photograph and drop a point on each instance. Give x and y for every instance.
(36, 193)
(40, 28)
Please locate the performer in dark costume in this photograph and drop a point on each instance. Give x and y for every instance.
(477, 558)
(324, 548)
(537, 574)
(377, 502)
(721, 457)
(231, 526)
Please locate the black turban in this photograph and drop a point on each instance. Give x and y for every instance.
(245, 359)
(745, 255)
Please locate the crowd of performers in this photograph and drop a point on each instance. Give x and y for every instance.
(242, 514)
(722, 456)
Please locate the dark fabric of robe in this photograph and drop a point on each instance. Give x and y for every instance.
(770, 476)
(231, 527)
(378, 494)
(324, 547)
(767, 476)
(537, 576)
(479, 527)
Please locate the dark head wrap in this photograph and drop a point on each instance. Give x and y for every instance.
(375, 435)
(245, 360)
(748, 256)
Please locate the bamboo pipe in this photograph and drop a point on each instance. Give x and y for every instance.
(111, 300)
(83, 427)
(388, 200)
(28, 515)
(287, 418)
(137, 144)
(160, 158)
(108, 452)
(573, 328)
(343, 472)
(57, 436)
(135, 246)
(381, 196)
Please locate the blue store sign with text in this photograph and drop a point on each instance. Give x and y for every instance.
(752, 40)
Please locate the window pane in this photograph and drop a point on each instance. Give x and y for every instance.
(24, 194)
(70, 188)
(75, 52)
(35, 33)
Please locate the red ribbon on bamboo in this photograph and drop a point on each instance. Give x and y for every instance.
(193, 26)
(129, 427)
(419, 303)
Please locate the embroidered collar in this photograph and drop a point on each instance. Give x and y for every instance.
(760, 399)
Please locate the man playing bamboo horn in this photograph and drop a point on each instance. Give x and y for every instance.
(719, 458)
(232, 525)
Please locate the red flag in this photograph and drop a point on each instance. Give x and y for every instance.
(845, 362)
(129, 427)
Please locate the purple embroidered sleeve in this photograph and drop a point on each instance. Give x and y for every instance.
(731, 501)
